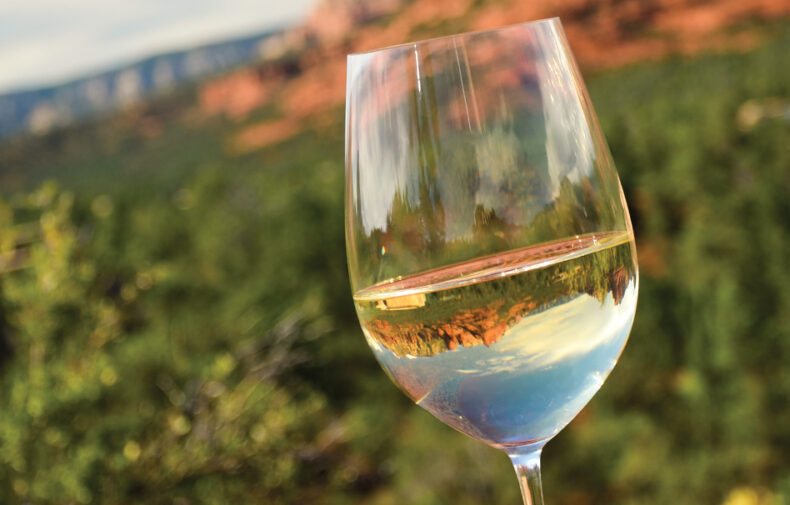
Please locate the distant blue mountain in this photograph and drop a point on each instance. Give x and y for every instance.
(39, 110)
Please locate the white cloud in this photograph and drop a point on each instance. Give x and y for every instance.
(47, 41)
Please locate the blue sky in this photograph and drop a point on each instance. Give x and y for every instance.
(45, 42)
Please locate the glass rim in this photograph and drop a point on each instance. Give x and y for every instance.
(554, 20)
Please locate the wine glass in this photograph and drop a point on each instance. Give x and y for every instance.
(490, 250)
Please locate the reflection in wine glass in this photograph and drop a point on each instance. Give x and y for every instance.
(489, 245)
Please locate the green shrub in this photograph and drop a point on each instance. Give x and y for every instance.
(194, 341)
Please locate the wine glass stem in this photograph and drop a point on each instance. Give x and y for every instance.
(527, 466)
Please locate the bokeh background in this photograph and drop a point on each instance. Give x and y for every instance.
(176, 324)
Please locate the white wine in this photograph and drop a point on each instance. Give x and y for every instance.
(507, 348)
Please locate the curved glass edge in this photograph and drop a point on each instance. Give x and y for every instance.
(444, 38)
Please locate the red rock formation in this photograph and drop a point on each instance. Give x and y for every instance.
(265, 132)
(602, 34)
(236, 94)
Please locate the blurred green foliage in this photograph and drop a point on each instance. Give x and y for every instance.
(190, 339)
